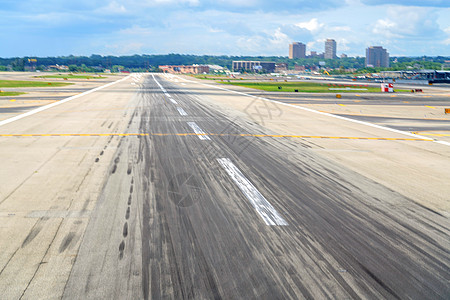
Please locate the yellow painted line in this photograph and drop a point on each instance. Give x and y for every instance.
(12, 100)
(213, 134)
(357, 101)
(430, 106)
(405, 101)
(382, 116)
(393, 96)
(433, 134)
(341, 104)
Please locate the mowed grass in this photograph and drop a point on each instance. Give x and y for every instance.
(71, 76)
(309, 87)
(211, 77)
(3, 93)
(20, 83)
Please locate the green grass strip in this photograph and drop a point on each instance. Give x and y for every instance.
(71, 76)
(18, 83)
(309, 87)
(3, 94)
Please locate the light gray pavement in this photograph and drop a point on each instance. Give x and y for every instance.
(152, 210)
(40, 96)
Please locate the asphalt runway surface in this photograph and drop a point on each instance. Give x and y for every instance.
(197, 203)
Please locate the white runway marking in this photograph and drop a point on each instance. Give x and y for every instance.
(173, 101)
(200, 133)
(263, 207)
(161, 87)
(181, 111)
(42, 108)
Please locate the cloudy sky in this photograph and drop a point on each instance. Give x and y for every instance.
(216, 27)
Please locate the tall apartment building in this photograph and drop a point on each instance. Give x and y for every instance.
(330, 49)
(376, 56)
(297, 50)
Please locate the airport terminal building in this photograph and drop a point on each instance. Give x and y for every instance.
(254, 66)
(181, 69)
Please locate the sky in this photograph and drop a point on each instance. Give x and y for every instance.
(222, 27)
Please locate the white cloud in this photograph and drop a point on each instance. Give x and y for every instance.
(339, 28)
(135, 31)
(113, 7)
(386, 28)
(171, 2)
(312, 25)
(407, 22)
(278, 38)
(447, 40)
(125, 48)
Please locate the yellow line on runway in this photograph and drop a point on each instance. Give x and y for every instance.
(382, 116)
(430, 106)
(215, 134)
(436, 134)
(431, 134)
(341, 104)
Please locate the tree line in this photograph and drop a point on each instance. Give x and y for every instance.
(97, 63)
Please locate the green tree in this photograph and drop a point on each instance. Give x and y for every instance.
(18, 65)
(73, 68)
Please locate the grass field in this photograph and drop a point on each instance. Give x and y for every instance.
(309, 87)
(17, 83)
(211, 77)
(71, 76)
(3, 93)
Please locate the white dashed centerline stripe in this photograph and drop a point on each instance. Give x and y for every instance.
(173, 101)
(198, 131)
(181, 111)
(164, 90)
(267, 212)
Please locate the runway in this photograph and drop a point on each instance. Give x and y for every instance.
(163, 187)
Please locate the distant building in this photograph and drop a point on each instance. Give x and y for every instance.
(330, 49)
(281, 67)
(254, 66)
(297, 50)
(315, 54)
(305, 68)
(343, 55)
(376, 56)
(58, 68)
(181, 69)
